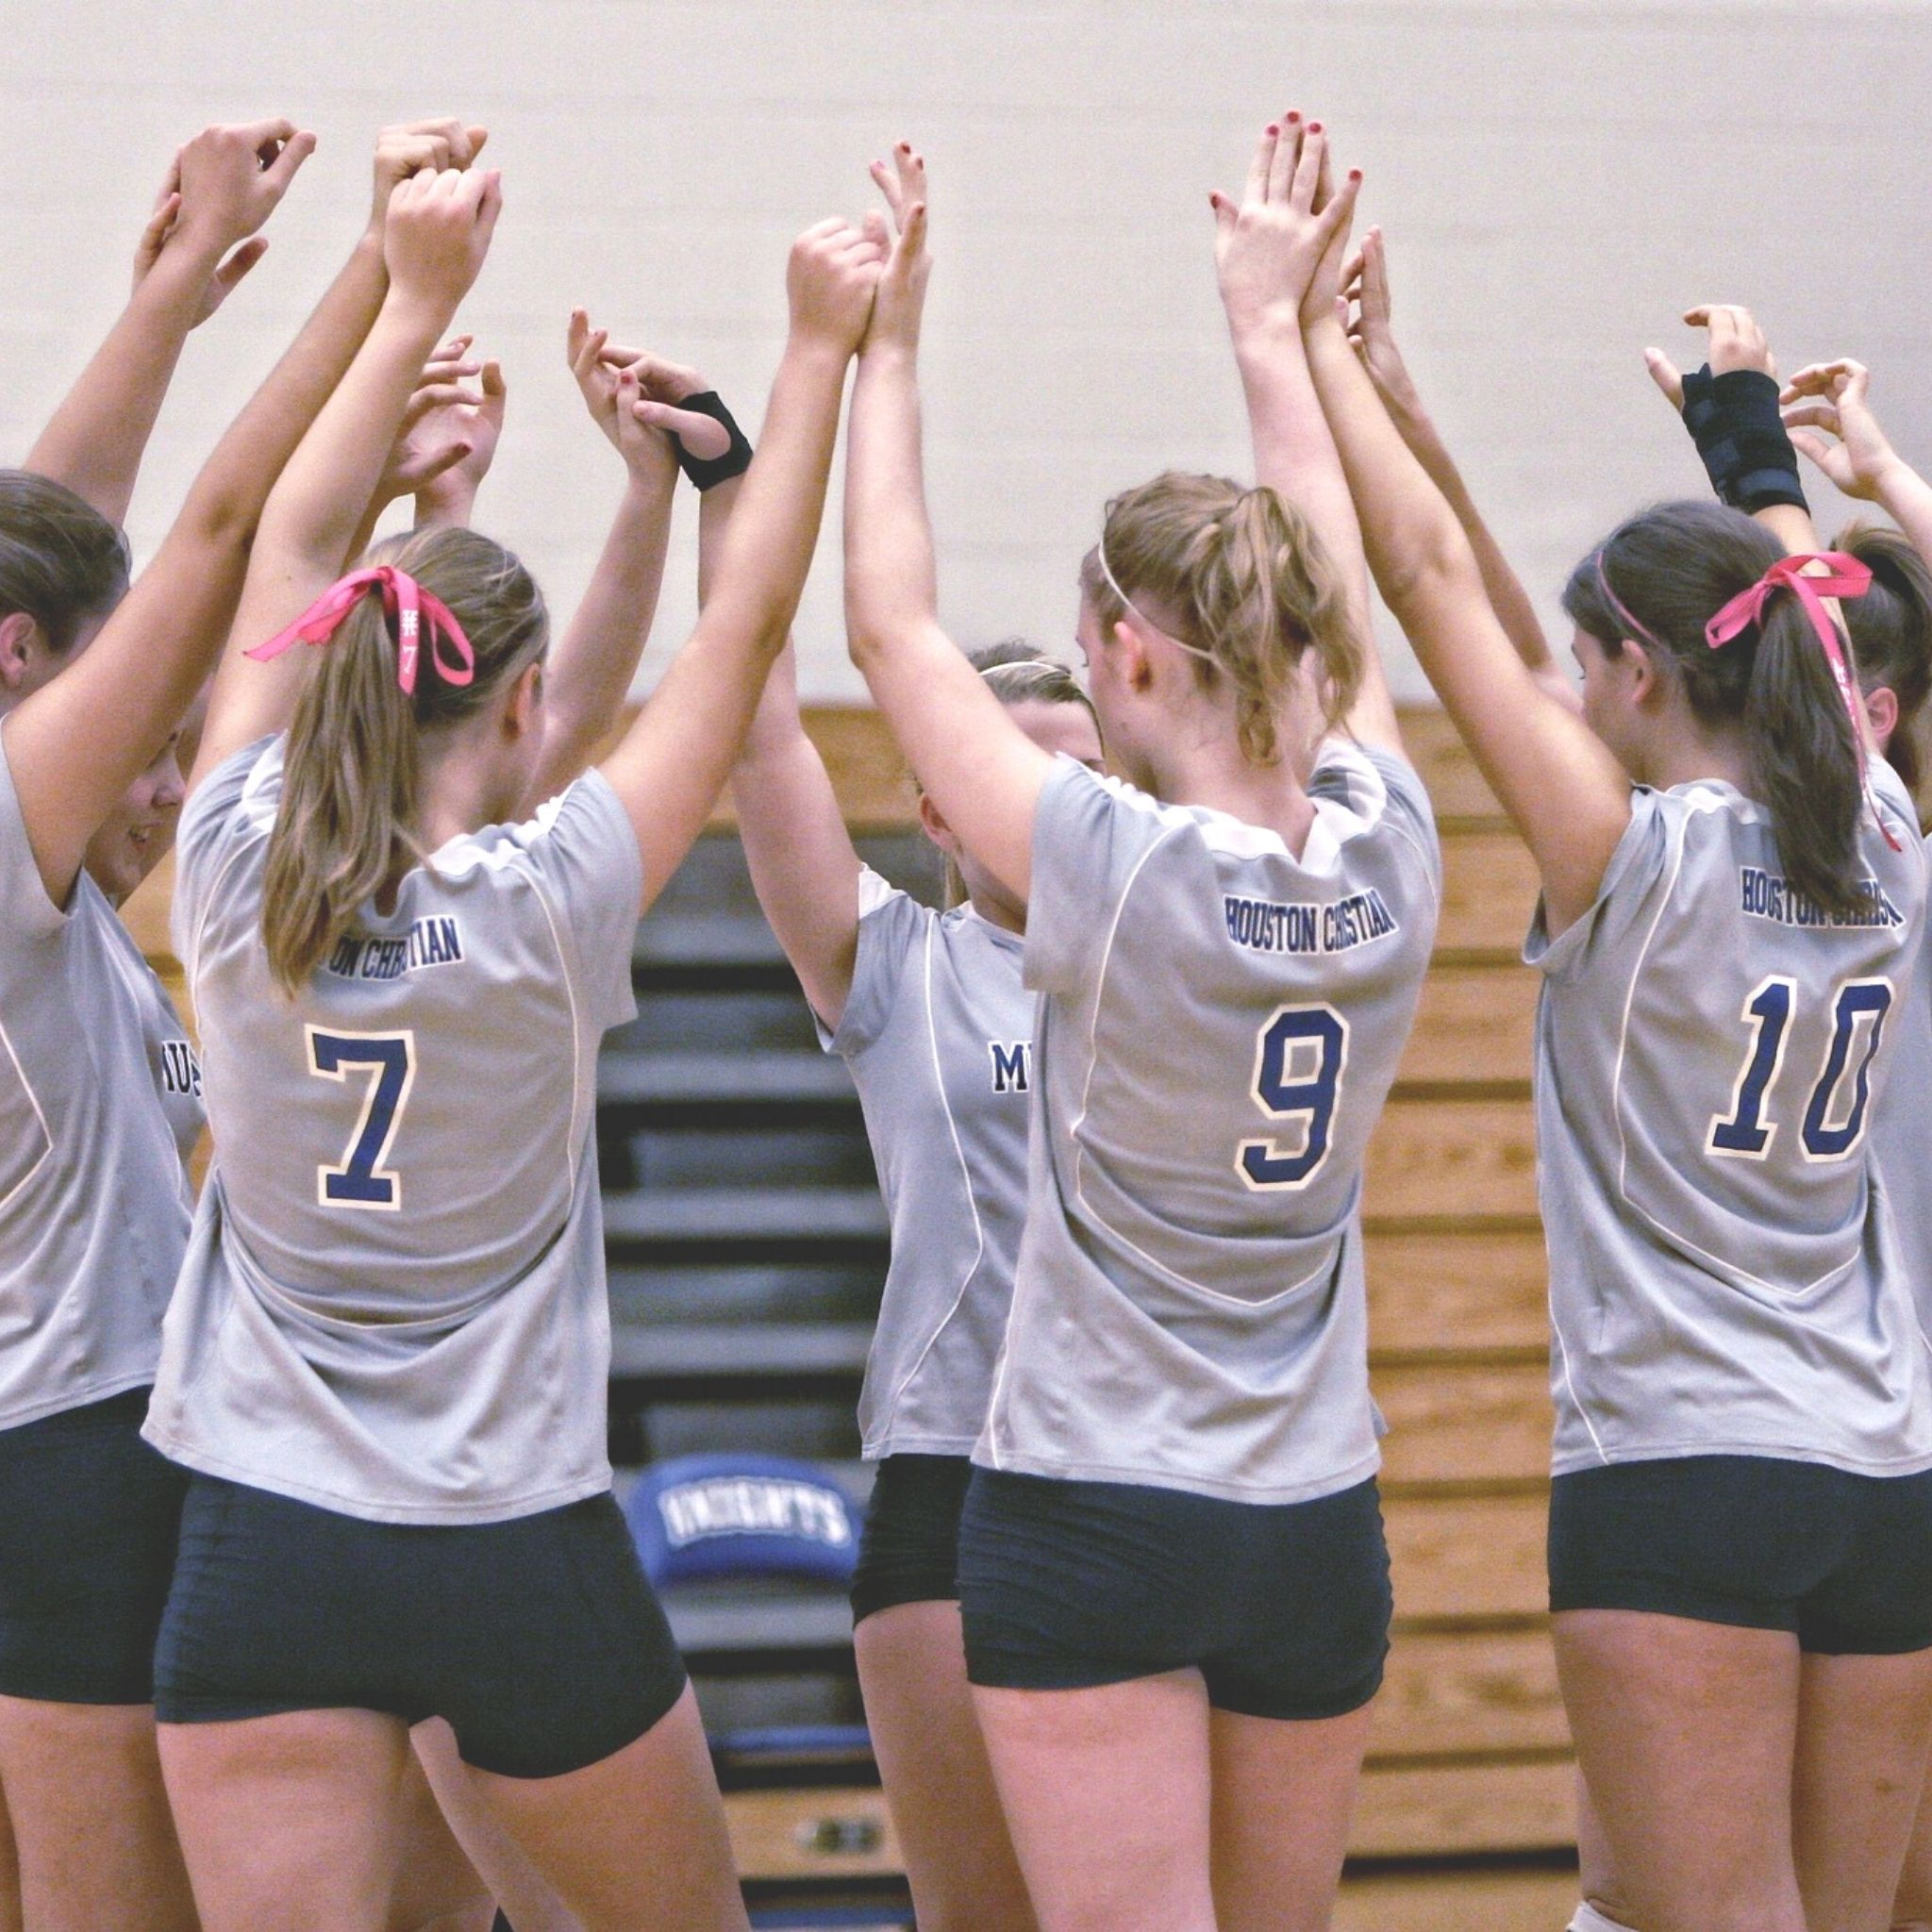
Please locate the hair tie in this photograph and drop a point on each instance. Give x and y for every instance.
(1843, 577)
(1113, 585)
(403, 599)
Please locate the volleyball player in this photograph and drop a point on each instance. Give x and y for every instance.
(928, 1011)
(1740, 1527)
(95, 679)
(1172, 1569)
(386, 1357)
(1831, 420)
(442, 454)
(1890, 629)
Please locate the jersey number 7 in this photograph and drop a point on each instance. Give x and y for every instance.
(362, 1180)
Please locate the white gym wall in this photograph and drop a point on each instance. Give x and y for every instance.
(1556, 181)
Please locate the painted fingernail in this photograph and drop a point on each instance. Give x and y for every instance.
(1354, 174)
(1292, 114)
(1274, 128)
(1314, 127)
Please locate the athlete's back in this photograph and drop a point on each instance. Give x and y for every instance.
(1710, 1047)
(937, 1031)
(1221, 1024)
(404, 1203)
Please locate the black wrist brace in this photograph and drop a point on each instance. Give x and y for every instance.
(1734, 421)
(706, 471)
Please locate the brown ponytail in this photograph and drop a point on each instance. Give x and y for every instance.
(1672, 569)
(346, 828)
(1238, 575)
(1892, 633)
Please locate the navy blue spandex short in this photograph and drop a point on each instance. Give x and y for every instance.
(908, 1551)
(87, 1518)
(1283, 1608)
(1842, 1562)
(538, 1638)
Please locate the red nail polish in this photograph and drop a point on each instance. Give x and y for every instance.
(1314, 127)
(1274, 128)
(1354, 174)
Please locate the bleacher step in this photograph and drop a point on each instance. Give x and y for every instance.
(707, 1076)
(749, 1214)
(696, 1350)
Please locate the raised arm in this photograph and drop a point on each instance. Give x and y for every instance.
(804, 866)
(211, 203)
(77, 742)
(1832, 400)
(1737, 431)
(1277, 256)
(981, 770)
(445, 445)
(1556, 778)
(676, 755)
(467, 427)
(1740, 435)
(1365, 283)
(434, 241)
(632, 397)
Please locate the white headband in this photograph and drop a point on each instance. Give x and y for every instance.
(1027, 664)
(1113, 585)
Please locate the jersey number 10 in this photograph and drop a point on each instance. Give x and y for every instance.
(1830, 1130)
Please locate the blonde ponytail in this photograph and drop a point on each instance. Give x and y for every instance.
(1240, 578)
(346, 828)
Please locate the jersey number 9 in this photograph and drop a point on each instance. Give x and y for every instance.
(1298, 1063)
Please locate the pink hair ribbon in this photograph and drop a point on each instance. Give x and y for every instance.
(407, 601)
(1842, 576)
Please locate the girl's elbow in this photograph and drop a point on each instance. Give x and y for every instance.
(1428, 572)
(223, 522)
(867, 633)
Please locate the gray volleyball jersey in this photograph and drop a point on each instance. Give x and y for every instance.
(393, 1303)
(1902, 1133)
(100, 1105)
(1724, 1276)
(937, 1031)
(1219, 1025)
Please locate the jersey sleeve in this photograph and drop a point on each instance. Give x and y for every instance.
(25, 906)
(1889, 793)
(1635, 867)
(1385, 791)
(1090, 836)
(585, 852)
(889, 922)
(236, 802)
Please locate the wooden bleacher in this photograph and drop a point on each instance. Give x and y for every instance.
(747, 1248)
